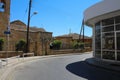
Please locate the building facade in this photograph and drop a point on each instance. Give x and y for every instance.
(104, 18)
(68, 40)
(39, 38)
(4, 16)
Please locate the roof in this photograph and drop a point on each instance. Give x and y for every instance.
(18, 22)
(37, 29)
(19, 25)
(73, 35)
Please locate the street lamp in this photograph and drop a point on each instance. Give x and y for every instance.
(28, 25)
(34, 13)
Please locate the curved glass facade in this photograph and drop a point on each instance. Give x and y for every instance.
(107, 39)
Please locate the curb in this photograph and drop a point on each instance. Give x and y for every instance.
(102, 64)
(6, 70)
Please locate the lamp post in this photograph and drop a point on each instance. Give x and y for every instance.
(27, 38)
(28, 25)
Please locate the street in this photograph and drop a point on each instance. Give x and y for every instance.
(63, 67)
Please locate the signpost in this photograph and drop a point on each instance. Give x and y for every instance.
(6, 32)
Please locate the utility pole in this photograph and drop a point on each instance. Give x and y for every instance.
(83, 30)
(28, 25)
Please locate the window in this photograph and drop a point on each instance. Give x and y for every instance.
(2, 9)
(118, 40)
(109, 55)
(109, 46)
(98, 36)
(97, 28)
(108, 28)
(118, 56)
(117, 27)
(117, 19)
(108, 22)
(108, 41)
(98, 40)
(98, 53)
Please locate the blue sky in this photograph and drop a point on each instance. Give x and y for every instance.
(57, 16)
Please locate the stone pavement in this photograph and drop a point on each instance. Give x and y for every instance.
(112, 66)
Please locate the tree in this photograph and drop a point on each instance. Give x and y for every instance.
(77, 45)
(1, 44)
(21, 45)
(56, 44)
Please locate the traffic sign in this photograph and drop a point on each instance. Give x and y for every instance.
(6, 32)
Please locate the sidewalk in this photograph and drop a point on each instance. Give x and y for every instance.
(104, 64)
(9, 64)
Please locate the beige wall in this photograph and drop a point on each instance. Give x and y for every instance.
(66, 41)
(39, 41)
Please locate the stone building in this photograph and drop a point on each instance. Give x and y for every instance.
(39, 38)
(68, 39)
(4, 16)
(16, 30)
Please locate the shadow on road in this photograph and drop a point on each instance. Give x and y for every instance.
(90, 72)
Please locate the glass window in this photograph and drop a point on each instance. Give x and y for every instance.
(97, 42)
(118, 40)
(108, 28)
(108, 22)
(108, 55)
(98, 36)
(118, 56)
(97, 28)
(117, 27)
(2, 7)
(108, 41)
(108, 34)
(117, 19)
(98, 53)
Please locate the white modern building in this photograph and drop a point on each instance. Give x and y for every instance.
(104, 18)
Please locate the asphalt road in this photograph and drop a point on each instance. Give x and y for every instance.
(64, 67)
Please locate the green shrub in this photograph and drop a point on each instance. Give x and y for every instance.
(77, 45)
(1, 44)
(56, 44)
(21, 45)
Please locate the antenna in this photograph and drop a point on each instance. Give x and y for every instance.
(70, 31)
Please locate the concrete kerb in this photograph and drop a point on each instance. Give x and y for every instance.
(103, 64)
